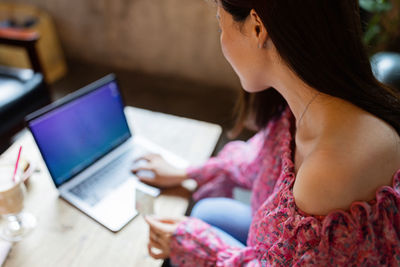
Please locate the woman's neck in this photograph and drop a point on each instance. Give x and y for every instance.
(308, 105)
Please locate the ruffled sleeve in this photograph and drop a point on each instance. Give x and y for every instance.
(366, 235)
(196, 244)
(234, 166)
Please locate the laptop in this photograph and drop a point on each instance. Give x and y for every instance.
(88, 148)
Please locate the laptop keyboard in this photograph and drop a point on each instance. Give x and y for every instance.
(100, 184)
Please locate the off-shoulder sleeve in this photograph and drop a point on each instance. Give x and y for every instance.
(235, 165)
(366, 235)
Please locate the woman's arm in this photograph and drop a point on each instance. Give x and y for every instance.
(195, 243)
(237, 165)
(234, 166)
(191, 242)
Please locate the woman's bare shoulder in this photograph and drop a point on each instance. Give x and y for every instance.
(342, 171)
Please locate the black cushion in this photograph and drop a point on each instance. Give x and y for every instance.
(19, 97)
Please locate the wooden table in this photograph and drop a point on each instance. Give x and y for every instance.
(65, 236)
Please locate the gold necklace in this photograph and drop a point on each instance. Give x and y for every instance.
(305, 110)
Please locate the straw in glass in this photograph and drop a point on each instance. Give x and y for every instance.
(16, 164)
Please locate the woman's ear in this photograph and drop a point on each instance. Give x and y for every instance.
(258, 30)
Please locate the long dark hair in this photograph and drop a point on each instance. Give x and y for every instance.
(320, 40)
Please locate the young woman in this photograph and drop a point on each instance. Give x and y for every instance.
(324, 167)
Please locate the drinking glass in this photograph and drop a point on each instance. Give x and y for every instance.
(16, 223)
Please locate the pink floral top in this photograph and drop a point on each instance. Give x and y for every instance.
(368, 234)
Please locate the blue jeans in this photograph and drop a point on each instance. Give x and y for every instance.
(230, 218)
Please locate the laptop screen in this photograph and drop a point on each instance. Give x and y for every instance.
(73, 136)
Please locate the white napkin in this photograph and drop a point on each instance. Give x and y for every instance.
(5, 248)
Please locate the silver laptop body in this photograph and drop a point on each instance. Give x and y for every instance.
(87, 146)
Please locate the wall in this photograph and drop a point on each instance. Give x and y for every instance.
(172, 37)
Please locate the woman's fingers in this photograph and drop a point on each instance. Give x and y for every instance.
(154, 243)
(148, 157)
(149, 181)
(167, 220)
(161, 241)
(160, 230)
(152, 169)
(158, 256)
(145, 173)
(156, 225)
(144, 163)
(171, 220)
(157, 238)
(147, 167)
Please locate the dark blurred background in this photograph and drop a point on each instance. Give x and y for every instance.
(166, 53)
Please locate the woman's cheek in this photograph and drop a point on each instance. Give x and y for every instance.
(223, 47)
(226, 47)
(237, 61)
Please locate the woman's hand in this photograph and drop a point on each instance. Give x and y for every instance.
(165, 175)
(161, 231)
